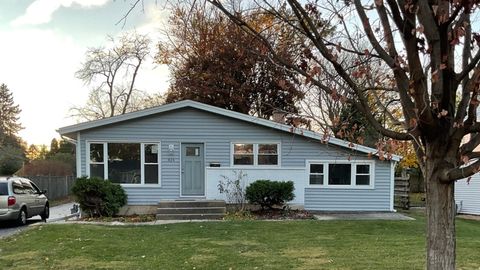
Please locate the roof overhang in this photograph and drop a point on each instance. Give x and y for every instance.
(72, 129)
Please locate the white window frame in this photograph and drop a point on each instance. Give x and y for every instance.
(353, 174)
(232, 155)
(142, 161)
(255, 154)
(105, 158)
(322, 174)
(357, 174)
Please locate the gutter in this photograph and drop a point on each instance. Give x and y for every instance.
(70, 140)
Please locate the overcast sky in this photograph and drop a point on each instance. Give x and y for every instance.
(42, 45)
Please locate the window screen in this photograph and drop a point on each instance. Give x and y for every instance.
(363, 175)
(339, 174)
(243, 154)
(124, 163)
(267, 154)
(316, 174)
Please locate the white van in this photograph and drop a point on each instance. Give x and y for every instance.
(21, 199)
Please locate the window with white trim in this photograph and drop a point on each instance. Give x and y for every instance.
(151, 166)
(243, 154)
(338, 174)
(267, 154)
(97, 160)
(316, 174)
(362, 175)
(125, 162)
(255, 154)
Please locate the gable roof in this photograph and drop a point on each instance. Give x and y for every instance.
(212, 109)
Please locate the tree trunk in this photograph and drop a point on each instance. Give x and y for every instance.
(440, 210)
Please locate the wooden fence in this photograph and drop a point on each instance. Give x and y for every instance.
(402, 191)
(56, 186)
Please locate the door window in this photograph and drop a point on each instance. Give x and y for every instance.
(192, 151)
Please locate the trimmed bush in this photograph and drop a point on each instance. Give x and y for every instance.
(268, 193)
(98, 197)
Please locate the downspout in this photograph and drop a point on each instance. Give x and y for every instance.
(392, 185)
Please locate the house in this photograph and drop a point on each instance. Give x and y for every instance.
(467, 195)
(467, 191)
(182, 150)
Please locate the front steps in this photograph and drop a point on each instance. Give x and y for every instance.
(190, 209)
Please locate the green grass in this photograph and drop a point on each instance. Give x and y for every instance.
(234, 245)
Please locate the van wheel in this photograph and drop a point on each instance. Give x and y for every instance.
(46, 213)
(22, 217)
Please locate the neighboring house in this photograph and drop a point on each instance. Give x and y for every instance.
(182, 150)
(467, 192)
(467, 195)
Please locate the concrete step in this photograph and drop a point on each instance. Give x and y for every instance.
(192, 210)
(188, 216)
(190, 203)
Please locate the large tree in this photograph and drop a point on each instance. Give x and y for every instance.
(112, 72)
(332, 115)
(215, 62)
(9, 113)
(12, 150)
(431, 53)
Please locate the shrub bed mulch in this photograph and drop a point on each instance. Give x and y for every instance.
(269, 214)
(123, 219)
(280, 214)
(266, 214)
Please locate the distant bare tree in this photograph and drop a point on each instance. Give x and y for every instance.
(112, 72)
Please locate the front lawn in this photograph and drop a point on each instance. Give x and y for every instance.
(234, 245)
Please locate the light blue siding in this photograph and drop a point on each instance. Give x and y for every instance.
(190, 125)
(336, 199)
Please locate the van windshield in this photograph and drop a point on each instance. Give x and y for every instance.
(3, 189)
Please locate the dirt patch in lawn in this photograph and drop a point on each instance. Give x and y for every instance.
(202, 258)
(309, 257)
(28, 255)
(253, 254)
(235, 243)
(88, 263)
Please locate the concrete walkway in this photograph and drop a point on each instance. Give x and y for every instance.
(362, 216)
(61, 212)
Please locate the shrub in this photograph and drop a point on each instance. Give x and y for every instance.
(98, 197)
(234, 190)
(268, 193)
(9, 165)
